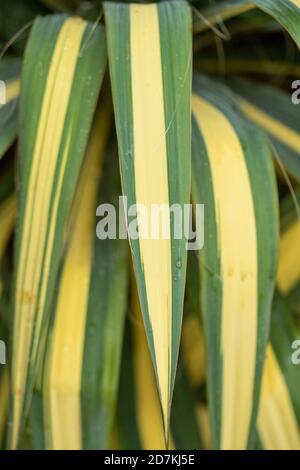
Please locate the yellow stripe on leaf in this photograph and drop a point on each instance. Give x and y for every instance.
(277, 423)
(150, 157)
(238, 258)
(43, 166)
(296, 2)
(289, 259)
(12, 90)
(279, 131)
(149, 419)
(64, 365)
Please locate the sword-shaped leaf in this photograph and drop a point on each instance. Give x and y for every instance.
(63, 69)
(151, 81)
(233, 176)
(82, 364)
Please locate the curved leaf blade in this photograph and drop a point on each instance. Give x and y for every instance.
(238, 261)
(151, 81)
(286, 12)
(65, 356)
(83, 359)
(61, 93)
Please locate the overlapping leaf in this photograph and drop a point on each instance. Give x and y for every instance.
(185, 433)
(61, 77)
(151, 81)
(149, 420)
(279, 410)
(234, 177)
(82, 364)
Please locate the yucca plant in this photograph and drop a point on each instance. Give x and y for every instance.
(149, 344)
